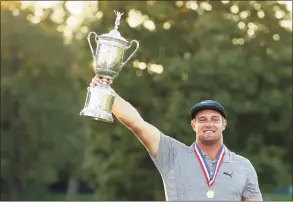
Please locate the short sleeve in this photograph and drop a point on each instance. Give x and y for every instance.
(167, 153)
(251, 189)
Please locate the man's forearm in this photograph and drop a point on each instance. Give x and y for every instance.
(129, 116)
(126, 113)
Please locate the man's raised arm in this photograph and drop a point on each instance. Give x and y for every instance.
(129, 116)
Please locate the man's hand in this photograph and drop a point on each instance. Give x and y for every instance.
(97, 80)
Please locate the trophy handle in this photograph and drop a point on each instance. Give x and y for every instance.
(137, 46)
(89, 41)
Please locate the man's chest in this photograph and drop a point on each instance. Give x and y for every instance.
(229, 182)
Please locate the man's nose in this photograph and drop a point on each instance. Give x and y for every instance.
(208, 124)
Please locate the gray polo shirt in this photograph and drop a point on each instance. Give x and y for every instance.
(183, 178)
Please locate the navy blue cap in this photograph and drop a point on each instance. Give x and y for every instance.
(207, 104)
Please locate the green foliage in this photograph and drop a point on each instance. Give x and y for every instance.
(38, 107)
(205, 55)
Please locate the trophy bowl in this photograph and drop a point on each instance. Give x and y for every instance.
(108, 62)
(108, 59)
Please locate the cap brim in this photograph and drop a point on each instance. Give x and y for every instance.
(204, 107)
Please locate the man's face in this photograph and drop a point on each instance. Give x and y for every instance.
(208, 125)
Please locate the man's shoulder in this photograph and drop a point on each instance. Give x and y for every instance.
(239, 159)
(173, 141)
(170, 138)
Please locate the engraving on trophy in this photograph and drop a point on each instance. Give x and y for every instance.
(108, 62)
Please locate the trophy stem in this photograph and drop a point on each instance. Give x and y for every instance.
(104, 83)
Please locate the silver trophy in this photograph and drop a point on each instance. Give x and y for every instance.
(108, 62)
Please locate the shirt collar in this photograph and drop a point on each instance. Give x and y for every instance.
(227, 156)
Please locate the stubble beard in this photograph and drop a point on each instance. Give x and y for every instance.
(209, 142)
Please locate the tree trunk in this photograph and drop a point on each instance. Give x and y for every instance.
(14, 184)
(14, 190)
(72, 187)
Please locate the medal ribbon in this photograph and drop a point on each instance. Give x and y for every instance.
(204, 166)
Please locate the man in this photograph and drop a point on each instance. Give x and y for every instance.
(206, 170)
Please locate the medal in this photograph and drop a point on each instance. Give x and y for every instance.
(210, 194)
(210, 177)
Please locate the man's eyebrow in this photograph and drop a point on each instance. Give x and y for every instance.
(204, 117)
(215, 116)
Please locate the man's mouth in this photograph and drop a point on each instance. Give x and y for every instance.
(211, 131)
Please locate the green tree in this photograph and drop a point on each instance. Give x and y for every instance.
(41, 132)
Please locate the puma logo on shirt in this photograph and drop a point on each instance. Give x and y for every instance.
(225, 173)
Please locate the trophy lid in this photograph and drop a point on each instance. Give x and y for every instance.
(115, 33)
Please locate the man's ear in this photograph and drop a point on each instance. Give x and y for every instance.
(192, 123)
(224, 123)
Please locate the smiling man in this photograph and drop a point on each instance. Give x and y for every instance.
(206, 170)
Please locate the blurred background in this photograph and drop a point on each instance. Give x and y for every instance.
(236, 52)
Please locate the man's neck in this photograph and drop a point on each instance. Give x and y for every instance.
(210, 150)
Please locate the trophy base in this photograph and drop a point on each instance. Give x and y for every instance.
(98, 115)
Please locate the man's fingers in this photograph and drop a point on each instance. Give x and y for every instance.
(99, 79)
(95, 81)
(97, 76)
